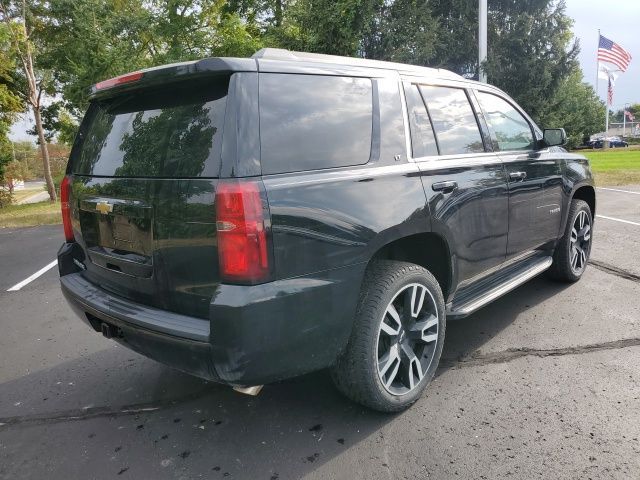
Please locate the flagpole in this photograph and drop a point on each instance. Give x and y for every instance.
(597, 63)
(605, 144)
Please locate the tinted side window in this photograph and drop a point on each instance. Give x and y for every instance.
(310, 122)
(423, 141)
(453, 120)
(507, 125)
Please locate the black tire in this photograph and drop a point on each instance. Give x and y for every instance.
(563, 267)
(357, 373)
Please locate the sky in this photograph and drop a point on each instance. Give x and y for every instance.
(618, 21)
(620, 24)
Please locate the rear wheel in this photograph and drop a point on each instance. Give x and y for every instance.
(397, 337)
(572, 252)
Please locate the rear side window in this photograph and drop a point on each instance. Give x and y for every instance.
(423, 141)
(310, 122)
(507, 125)
(453, 120)
(174, 132)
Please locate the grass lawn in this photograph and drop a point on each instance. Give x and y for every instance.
(43, 213)
(615, 166)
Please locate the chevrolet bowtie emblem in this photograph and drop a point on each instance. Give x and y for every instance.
(104, 207)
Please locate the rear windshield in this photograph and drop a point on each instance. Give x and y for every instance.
(174, 132)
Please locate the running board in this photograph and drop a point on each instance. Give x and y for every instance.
(470, 305)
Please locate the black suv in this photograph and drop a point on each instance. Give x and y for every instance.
(249, 220)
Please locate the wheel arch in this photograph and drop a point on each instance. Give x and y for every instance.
(588, 194)
(427, 249)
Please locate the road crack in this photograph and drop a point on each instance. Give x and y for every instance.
(95, 412)
(511, 354)
(613, 270)
(473, 360)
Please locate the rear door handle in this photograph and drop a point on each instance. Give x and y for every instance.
(445, 187)
(518, 176)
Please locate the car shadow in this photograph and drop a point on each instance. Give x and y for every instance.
(114, 411)
(466, 336)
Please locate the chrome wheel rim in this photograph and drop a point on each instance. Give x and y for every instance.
(407, 339)
(580, 242)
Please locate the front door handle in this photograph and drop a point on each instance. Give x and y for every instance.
(518, 176)
(444, 187)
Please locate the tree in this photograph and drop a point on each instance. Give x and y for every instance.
(10, 106)
(57, 122)
(403, 31)
(91, 40)
(32, 82)
(531, 52)
(577, 109)
(334, 27)
(634, 109)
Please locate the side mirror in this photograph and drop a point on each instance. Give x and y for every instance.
(554, 137)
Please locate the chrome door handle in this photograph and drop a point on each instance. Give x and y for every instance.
(444, 187)
(518, 176)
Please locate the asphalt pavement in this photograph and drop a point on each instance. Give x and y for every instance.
(543, 383)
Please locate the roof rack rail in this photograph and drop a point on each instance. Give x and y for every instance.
(292, 56)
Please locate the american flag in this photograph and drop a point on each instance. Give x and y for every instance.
(629, 115)
(610, 92)
(609, 51)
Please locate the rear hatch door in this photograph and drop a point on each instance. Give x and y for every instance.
(144, 175)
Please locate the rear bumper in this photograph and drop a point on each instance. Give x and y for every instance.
(175, 340)
(255, 334)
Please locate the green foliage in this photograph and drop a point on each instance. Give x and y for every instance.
(6, 198)
(634, 109)
(92, 40)
(404, 31)
(532, 54)
(27, 154)
(576, 108)
(332, 26)
(10, 103)
(67, 128)
(456, 46)
(57, 123)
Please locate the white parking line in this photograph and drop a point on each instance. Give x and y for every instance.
(31, 278)
(618, 220)
(617, 190)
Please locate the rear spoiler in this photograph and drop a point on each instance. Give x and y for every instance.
(171, 73)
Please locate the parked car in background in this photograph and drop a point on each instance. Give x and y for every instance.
(250, 220)
(613, 143)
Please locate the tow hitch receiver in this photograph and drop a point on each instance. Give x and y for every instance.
(109, 331)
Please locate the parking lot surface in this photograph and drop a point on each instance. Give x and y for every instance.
(543, 383)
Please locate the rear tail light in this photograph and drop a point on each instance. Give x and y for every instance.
(242, 217)
(65, 188)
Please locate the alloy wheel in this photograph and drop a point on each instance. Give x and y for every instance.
(407, 339)
(580, 242)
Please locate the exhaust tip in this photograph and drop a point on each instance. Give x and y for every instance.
(253, 391)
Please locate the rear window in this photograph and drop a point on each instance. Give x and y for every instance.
(310, 122)
(174, 132)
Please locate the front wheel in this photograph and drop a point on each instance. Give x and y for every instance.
(397, 337)
(572, 252)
